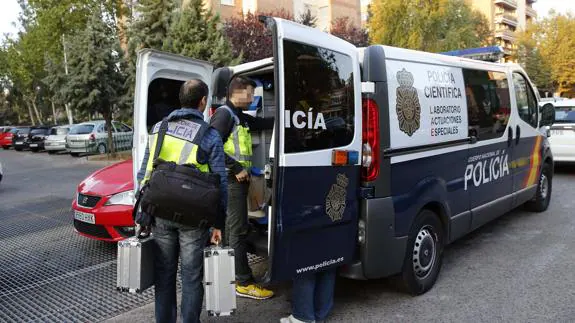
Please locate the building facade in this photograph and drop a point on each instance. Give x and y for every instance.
(506, 17)
(326, 11)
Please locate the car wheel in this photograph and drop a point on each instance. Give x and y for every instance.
(34, 150)
(17, 149)
(542, 198)
(51, 152)
(424, 253)
(74, 154)
(101, 149)
(6, 147)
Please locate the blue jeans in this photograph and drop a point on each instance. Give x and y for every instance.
(174, 240)
(312, 298)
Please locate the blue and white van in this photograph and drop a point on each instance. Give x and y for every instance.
(380, 156)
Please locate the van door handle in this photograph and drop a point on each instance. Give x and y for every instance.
(510, 137)
(518, 130)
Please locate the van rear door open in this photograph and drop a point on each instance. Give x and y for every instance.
(316, 164)
(158, 72)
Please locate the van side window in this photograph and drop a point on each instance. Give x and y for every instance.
(526, 102)
(488, 103)
(319, 99)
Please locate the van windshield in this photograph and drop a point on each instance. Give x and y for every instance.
(565, 115)
(58, 131)
(82, 129)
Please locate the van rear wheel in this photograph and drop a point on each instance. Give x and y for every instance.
(424, 253)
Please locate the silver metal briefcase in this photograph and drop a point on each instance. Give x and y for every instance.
(135, 264)
(219, 281)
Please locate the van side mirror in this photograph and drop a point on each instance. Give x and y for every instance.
(547, 115)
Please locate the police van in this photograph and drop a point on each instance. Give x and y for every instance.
(380, 156)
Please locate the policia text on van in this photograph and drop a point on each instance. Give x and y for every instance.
(436, 146)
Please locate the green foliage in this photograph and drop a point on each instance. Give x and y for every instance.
(432, 26)
(95, 83)
(196, 33)
(545, 50)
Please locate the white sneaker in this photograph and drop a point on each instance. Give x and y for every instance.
(291, 319)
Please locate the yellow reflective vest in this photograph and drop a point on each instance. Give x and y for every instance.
(179, 146)
(239, 143)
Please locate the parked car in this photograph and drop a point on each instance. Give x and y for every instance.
(92, 137)
(56, 140)
(5, 133)
(562, 138)
(20, 138)
(104, 202)
(36, 138)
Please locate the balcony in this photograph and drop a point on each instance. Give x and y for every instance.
(507, 19)
(507, 3)
(505, 34)
(530, 12)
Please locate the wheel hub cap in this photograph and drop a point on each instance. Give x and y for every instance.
(423, 253)
(544, 187)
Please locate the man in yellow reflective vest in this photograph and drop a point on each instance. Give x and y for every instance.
(234, 127)
(173, 239)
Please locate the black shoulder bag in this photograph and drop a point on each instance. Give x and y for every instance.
(181, 193)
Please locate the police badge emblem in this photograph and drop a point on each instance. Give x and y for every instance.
(407, 104)
(335, 200)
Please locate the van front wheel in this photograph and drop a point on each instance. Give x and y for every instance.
(540, 202)
(424, 253)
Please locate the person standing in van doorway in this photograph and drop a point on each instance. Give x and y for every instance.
(234, 127)
(173, 239)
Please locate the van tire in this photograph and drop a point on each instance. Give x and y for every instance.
(428, 229)
(542, 198)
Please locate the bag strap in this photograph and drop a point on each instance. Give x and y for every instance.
(160, 140)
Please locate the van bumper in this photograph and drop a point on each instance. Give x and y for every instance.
(381, 253)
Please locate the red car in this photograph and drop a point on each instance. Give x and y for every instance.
(6, 134)
(104, 202)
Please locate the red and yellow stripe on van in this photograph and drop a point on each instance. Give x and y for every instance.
(532, 177)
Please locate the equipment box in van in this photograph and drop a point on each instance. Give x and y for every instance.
(380, 156)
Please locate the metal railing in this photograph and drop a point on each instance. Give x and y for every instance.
(508, 3)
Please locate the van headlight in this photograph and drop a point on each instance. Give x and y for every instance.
(122, 198)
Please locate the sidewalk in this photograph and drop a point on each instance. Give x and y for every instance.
(270, 310)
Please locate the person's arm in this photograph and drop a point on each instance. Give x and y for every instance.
(259, 123)
(223, 122)
(216, 162)
(142, 172)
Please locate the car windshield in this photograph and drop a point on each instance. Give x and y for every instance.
(14, 130)
(38, 131)
(24, 131)
(565, 114)
(59, 131)
(82, 129)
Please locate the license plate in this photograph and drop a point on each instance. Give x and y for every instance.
(33, 145)
(84, 217)
(557, 132)
(19, 142)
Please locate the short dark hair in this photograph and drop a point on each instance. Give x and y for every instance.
(192, 92)
(240, 83)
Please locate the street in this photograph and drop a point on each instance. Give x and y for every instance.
(515, 269)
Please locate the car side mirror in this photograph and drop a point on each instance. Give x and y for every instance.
(547, 115)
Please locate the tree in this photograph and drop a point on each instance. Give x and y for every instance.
(151, 28)
(545, 50)
(432, 26)
(195, 32)
(249, 37)
(95, 81)
(342, 28)
(307, 18)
